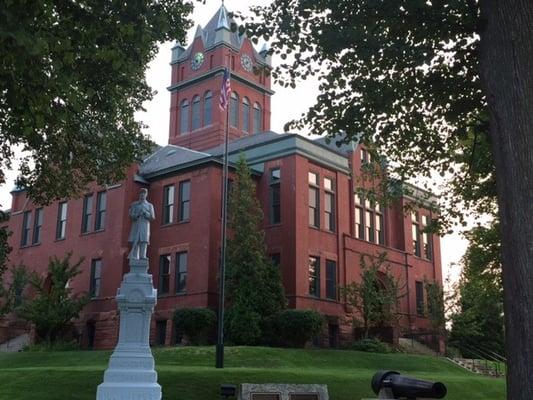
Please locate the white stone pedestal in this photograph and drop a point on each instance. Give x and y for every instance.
(131, 374)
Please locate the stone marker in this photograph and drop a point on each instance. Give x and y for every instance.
(278, 391)
(131, 374)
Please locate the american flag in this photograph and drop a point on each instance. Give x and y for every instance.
(225, 90)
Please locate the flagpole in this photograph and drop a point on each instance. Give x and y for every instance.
(220, 335)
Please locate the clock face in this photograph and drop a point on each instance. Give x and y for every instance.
(197, 61)
(246, 62)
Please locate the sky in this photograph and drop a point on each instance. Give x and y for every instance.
(287, 104)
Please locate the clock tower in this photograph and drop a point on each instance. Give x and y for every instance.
(196, 121)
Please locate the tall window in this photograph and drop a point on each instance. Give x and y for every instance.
(101, 205)
(314, 202)
(415, 232)
(275, 259)
(234, 110)
(420, 307)
(160, 332)
(26, 228)
(245, 115)
(164, 274)
(427, 248)
(365, 156)
(195, 112)
(185, 201)
(168, 204)
(61, 227)
(275, 198)
(37, 226)
(258, 123)
(329, 204)
(359, 217)
(331, 280)
(368, 220)
(314, 276)
(87, 217)
(181, 272)
(184, 116)
(208, 108)
(96, 277)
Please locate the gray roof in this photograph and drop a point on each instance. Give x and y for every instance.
(247, 141)
(258, 148)
(219, 31)
(337, 144)
(168, 157)
(221, 20)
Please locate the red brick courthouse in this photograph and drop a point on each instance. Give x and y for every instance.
(316, 226)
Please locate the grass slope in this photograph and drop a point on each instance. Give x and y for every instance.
(188, 373)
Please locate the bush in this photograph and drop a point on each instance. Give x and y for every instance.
(296, 327)
(195, 323)
(243, 326)
(58, 345)
(371, 346)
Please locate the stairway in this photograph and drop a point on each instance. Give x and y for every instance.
(414, 347)
(16, 344)
(482, 367)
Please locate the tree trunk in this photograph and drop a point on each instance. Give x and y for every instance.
(506, 66)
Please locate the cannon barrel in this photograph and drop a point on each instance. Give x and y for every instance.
(408, 387)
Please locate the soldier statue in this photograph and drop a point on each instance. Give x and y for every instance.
(141, 213)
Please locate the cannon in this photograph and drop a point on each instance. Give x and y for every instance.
(392, 385)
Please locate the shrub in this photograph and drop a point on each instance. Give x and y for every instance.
(243, 326)
(195, 323)
(296, 327)
(58, 345)
(371, 346)
(55, 305)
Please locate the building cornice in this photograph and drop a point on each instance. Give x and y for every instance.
(187, 57)
(257, 154)
(215, 72)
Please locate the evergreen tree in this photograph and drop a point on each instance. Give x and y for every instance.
(253, 284)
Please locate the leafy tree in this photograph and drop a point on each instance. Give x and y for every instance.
(11, 296)
(5, 249)
(375, 296)
(431, 84)
(54, 305)
(478, 320)
(72, 78)
(254, 289)
(436, 307)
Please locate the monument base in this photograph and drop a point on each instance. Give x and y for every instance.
(131, 374)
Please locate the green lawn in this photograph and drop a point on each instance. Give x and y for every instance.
(189, 374)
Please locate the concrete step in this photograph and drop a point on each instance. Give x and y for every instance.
(16, 344)
(477, 366)
(415, 347)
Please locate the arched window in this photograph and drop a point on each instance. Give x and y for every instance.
(245, 115)
(258, 120)
(234, 110)
(195, 112)
(208, 108)
(184, 116)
